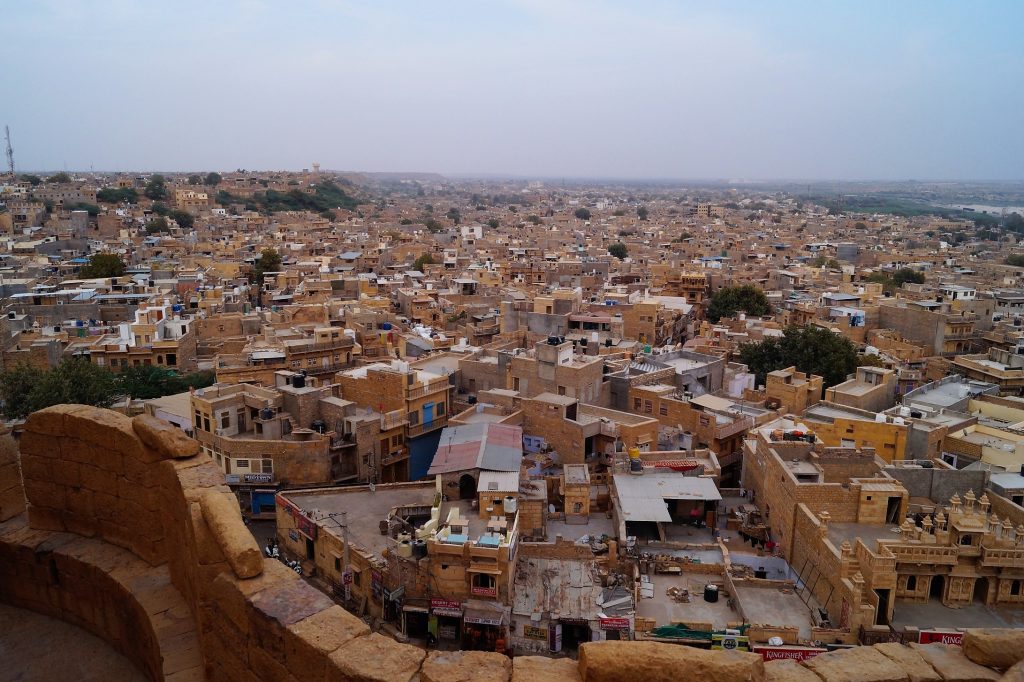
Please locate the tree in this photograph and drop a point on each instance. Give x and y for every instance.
(619, 250)
(31, 179)
(59, 177)
(904, 275)
(641, 212)
(26, 389)
(493, 223)
(161, 208)
(195, 180)
(16, 386)
(535, 219)
(1016, 259)
(812, 350)
(859, 226)
(158, 225)
(184, 219)
(433, 225)
(103, 265)
(111, 195)
(826, 262)
(92, 209)
(212, 179)
(269, 261)
(151, 381)
(453, 215)
(424, 259)
(728, 301)
(156, 187)
(582, 214)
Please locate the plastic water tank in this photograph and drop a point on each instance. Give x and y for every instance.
(405, 549)
(511, 504)
(711, 593)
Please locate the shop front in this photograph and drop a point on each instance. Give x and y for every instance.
(569, 633)
(446, 619)
(615, 628)
(484, 626)
(416, 618)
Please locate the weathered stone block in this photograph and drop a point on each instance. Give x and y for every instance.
(544, 669)
(164, 438)
(913, 665)
(657, 662)
(994, 647)
(374, 658)
(465, 666)
(309, 642)
(950, 662)
(787, 671)
(239, 546)
(861, 664)
(44, 518)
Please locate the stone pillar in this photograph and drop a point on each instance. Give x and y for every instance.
(823, 518)
(845, 558)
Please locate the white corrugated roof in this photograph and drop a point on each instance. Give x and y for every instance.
(665, 486)
(498, 481)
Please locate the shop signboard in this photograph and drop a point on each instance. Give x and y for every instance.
(794, 653)
(941, 637)
(446, 607)
(479, 619)
(484, 591)
(614, 623)
(532, 632)
(730, 642)
(258, 478)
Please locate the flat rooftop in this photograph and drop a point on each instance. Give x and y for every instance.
(665, 610)
(934, 615)
(365, 509)
(868, 532)
(775, 606)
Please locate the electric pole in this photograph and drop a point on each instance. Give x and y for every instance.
(9, 150)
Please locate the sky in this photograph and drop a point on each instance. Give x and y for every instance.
(865, 90)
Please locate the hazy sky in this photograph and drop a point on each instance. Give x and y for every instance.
(852, 90)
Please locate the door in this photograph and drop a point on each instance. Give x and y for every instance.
(428, 413)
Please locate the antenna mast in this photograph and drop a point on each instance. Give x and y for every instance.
(10, 150)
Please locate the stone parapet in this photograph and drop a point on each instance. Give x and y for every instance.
(130, 536)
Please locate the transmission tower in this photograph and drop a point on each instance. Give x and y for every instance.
(10, 151)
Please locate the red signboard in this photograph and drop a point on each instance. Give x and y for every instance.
(615, 623)
(940, 636)
(795, 653)
(484, 591)
(446, 607)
